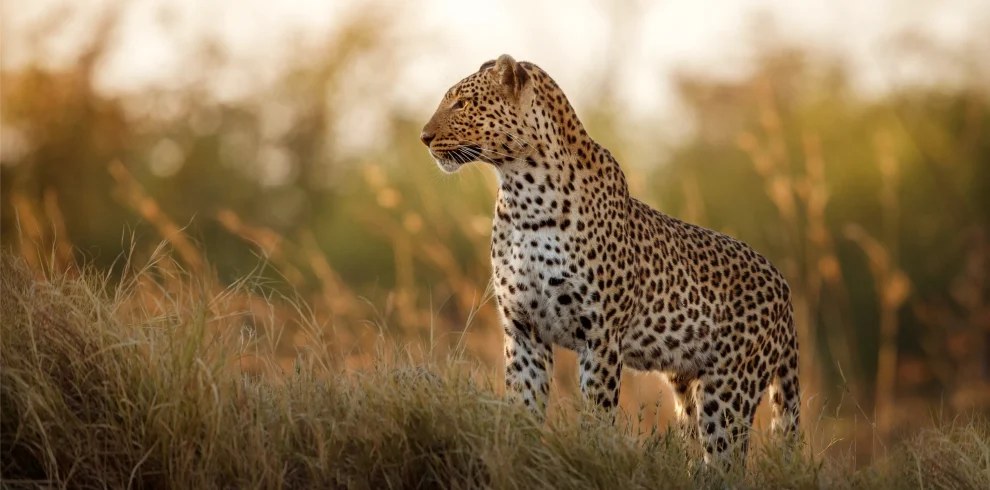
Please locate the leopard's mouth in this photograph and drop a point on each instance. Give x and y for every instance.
(450, 160)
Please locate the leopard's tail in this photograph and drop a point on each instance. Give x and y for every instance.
(785, 392)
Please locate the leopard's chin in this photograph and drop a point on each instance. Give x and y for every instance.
(451, 161)
(448, 166)
(446, 162)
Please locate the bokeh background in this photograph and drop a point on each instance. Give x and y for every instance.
(848, 141)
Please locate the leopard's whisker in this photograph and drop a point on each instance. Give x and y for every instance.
(516, 139)
(481, 152)
(468, 152)
(497, 153)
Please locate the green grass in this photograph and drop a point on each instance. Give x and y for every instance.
(100, 393)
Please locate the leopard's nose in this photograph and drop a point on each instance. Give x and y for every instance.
(427, 137)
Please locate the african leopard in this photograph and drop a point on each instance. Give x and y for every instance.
(580, 263)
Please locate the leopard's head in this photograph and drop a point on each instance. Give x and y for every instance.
(480, 118)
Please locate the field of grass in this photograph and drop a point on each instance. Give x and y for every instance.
(106, 386)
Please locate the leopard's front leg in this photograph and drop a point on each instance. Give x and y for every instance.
(601, 371)
(528, 367)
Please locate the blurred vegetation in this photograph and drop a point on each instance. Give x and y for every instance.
(877, 210)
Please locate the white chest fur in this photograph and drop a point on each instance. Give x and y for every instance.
(539, 285)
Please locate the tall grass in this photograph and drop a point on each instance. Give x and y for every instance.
(103, 389)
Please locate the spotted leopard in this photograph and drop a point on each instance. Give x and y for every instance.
(579, 263)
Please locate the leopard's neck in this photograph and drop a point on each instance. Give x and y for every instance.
(564, 174)
(562, 185)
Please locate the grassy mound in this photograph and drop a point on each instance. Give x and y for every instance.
(93, 398)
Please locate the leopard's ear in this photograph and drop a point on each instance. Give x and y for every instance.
(510, 74)
(486, 65)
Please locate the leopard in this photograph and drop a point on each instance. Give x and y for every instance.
(580, 264)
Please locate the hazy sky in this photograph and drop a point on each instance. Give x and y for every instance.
(445, 40)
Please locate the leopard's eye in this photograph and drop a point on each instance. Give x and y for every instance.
(459, 104)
